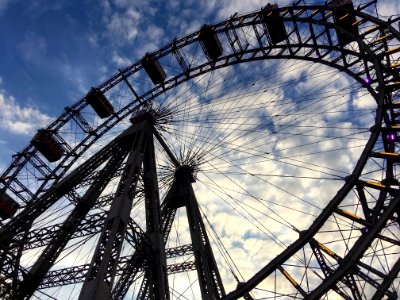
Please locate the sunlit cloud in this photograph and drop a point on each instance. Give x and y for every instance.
(245, 181)
(19, 119)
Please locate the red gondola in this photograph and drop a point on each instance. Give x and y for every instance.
(99, 103)
(47, 145)
(210, 42)
(8, 206)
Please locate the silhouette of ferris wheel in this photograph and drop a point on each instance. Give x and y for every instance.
(255, 158)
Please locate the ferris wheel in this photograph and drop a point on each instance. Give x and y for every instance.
(255, 158)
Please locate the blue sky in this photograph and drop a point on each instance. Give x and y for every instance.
(53, 51)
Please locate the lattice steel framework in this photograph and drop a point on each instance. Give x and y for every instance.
(312, 35)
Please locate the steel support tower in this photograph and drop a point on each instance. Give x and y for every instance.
(65, 188)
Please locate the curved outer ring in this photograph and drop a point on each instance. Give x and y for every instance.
(377, 90)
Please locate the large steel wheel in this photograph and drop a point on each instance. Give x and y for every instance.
(275, 163)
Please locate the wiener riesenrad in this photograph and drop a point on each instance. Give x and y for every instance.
(255, 158)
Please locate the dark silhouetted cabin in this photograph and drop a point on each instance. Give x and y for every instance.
(99, 103)
(210, 42)
(8, 206)
(47, 145)
(346, 20)
(153, 69)
(274, 23)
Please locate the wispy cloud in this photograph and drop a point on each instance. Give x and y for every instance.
(124, 19)
(19, 119)
(122, 27)
(120, 60)
(3, 5)
(33, 47)
(388, 8)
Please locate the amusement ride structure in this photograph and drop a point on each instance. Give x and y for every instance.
(129, 192)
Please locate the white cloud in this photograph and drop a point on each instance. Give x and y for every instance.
(155, 32)
(125, 20)
(120, 60)
(388, 8)
(19, 119)
(155, 36)
(122, 27)
(3, 5)
(93, 40)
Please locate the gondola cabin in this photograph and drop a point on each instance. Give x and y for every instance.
(274, 23)
(210, 42)
(153, 69)
(346, 20)
(99, 103)
(8, 206)
(45, 142)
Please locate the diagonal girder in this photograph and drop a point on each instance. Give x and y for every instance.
(156, 267)
(382, 289)
(102, 271)
(348, 280)
(168, 210)
(327, 270)
(128, 275)
(61, 237)
(208, 274)
(21, 222)
(351, 259)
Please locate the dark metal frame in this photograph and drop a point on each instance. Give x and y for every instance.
(370, 65)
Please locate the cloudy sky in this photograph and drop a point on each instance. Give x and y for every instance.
(53, 51)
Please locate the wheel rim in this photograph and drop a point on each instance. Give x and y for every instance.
(375, 75)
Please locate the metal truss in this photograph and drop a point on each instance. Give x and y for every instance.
(312, 35)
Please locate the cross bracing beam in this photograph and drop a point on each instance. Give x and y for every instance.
(20, 222)
(326, 269)
(356, 252)
(79, 120)
(77, 274)
(340, 61)
(87, 181)
(179, 251)
(61, 237)
(360, 270)
(167, 215)
(91, 225)
(130, 273)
